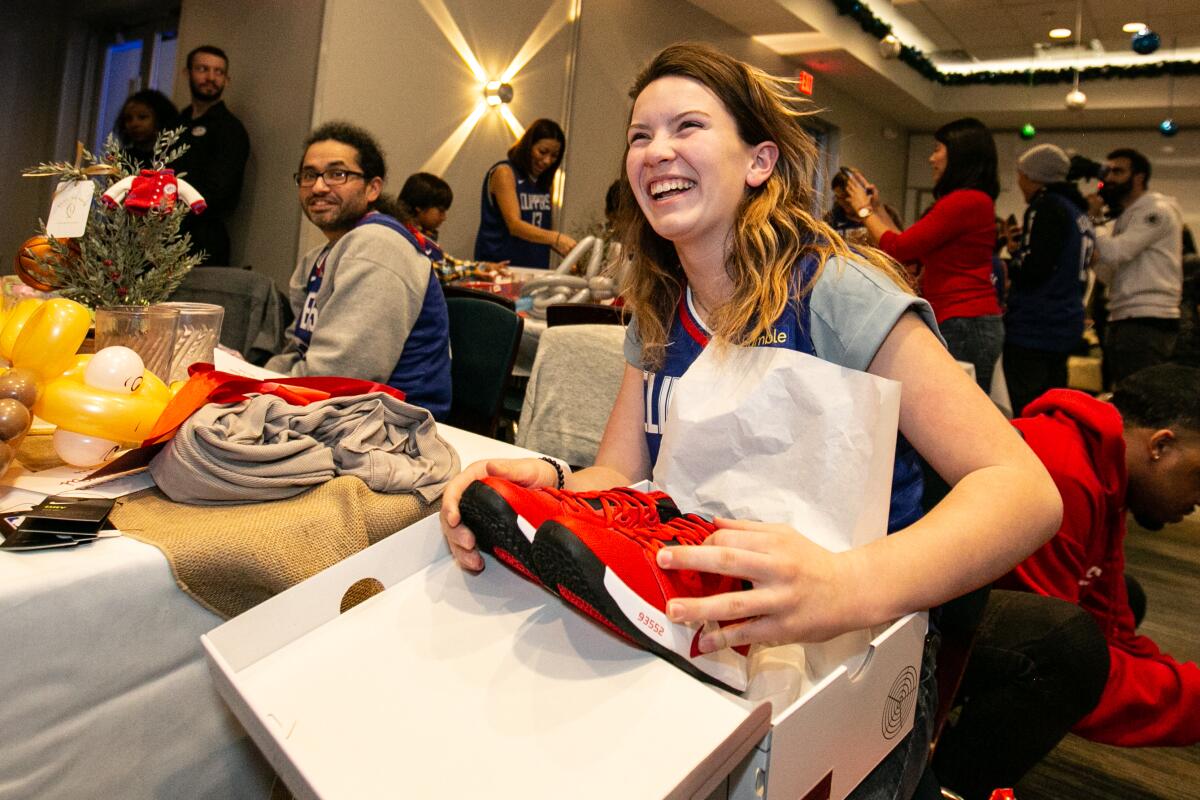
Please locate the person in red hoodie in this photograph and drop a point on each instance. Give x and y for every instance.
(1142, 455)
(1027, 682)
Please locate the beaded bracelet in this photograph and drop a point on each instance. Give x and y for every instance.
(558, 470)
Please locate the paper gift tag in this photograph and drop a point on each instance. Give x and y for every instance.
(69, 211)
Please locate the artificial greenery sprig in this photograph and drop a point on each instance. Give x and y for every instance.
(122, 258)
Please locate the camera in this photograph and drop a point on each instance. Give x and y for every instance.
(1083, 167)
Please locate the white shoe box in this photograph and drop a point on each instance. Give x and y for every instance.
(455, 685)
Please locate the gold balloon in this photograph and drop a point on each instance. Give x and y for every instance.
(15, 322)
(21, 385)
(74, 406)
(51, 337)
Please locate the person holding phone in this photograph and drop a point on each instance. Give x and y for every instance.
(952, 242)
(1050, 255)
(842, 216)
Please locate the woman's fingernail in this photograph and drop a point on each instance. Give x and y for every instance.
(664, 557)
(674, 611)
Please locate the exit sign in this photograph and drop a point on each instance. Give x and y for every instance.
(804, 82)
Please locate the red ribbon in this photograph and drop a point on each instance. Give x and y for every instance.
(207, 385)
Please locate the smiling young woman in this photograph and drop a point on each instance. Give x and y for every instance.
(714, 214)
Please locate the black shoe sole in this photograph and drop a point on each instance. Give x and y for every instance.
(568, 566)
(494, 523)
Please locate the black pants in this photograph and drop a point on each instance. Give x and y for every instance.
(1038, 666)
(1031, 373)
(1133, 344)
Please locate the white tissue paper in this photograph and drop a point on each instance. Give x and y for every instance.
(770, 434)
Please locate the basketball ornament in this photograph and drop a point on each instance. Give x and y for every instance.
(40, 259)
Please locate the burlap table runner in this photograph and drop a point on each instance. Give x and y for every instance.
(230, 558)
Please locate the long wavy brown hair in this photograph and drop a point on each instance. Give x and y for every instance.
(774, 228)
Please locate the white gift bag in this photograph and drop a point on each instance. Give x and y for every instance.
(770, 434)
(774, 435)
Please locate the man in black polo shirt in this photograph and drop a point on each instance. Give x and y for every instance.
(217, 153)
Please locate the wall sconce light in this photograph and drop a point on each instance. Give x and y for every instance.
(495, 93)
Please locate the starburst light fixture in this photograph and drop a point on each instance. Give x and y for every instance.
(497, 92)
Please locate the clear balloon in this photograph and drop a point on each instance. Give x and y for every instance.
(79, 450)
(50, 337)
(115, 369)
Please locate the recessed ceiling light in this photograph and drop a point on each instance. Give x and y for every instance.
(1060, 33)
(1132, 27)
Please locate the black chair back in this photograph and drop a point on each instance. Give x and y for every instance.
(450, 290)
(254, 319)
(484, 337)
(584, 314)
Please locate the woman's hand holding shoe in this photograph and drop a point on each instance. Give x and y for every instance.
(801, 591)
(528, 472)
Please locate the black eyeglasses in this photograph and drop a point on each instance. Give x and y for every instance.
(332, 177)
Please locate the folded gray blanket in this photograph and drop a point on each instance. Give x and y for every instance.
(266, 449)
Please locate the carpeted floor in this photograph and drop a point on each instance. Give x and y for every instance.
(1168, 565)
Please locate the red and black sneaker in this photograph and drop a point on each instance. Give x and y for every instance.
(610, 574)
(504, 516)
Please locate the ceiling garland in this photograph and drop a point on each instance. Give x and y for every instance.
(915, 58)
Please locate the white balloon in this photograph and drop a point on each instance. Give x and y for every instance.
(83, 451)
(115, 369)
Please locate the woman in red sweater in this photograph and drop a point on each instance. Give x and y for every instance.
(952, 242)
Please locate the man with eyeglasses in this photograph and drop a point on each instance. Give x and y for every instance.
(218, 147)
(367, 303)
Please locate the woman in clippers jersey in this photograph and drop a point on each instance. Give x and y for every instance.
(724, 251)
(515, 223)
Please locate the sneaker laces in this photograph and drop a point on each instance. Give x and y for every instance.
(617, 506)
(689, 529)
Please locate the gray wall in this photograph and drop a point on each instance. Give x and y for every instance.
(273, 47)
(33, 40)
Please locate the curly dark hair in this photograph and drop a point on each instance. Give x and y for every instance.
(370, 154)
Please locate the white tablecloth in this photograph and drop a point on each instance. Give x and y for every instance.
(104, 691)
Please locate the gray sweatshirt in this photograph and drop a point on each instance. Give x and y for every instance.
(1140, 259)
(370, 297)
